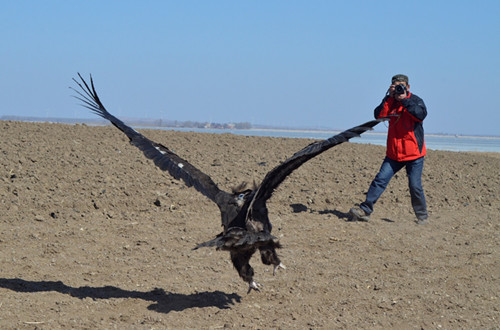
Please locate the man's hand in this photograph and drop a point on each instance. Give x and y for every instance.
(391, 91)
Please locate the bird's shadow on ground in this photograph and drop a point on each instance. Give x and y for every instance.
(163, 302)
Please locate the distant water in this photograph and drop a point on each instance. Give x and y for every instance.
(434, 142)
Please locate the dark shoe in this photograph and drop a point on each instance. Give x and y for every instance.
(358, 214)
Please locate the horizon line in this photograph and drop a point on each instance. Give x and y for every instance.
(104, 122)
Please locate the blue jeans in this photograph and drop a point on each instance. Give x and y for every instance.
(390, 167)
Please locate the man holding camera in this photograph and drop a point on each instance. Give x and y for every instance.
(405, 148)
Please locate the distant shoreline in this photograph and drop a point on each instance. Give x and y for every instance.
(458, 136)
(148, 124)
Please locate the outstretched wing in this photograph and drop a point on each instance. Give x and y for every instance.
(274, 178)
(164, 158)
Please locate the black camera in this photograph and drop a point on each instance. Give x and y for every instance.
(400, 89)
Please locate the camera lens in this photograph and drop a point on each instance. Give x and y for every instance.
(400, 89)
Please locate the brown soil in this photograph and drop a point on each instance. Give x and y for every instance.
(93, 235)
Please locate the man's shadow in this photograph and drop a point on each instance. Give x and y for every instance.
(163, 302)
(346, 216)
(298, 208)
(339, 214)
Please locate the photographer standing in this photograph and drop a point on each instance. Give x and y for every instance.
(405, 148)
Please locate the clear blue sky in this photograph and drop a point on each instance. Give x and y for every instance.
(288, 63)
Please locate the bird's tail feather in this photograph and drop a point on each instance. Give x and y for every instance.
(239, 238)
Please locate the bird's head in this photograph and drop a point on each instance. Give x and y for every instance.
(241, 194)
(242, 197)
(235, 205)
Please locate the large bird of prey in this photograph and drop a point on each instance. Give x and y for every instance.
(245, 221)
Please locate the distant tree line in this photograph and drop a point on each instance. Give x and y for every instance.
(140, 122)
(197, 124)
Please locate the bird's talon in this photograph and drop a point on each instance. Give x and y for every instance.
(276, 267)
(254, 286)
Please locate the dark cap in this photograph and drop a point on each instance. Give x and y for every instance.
(400, 77)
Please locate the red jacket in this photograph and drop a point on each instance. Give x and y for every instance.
(405, 138)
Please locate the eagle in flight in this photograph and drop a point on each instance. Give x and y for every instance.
(245, 220)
